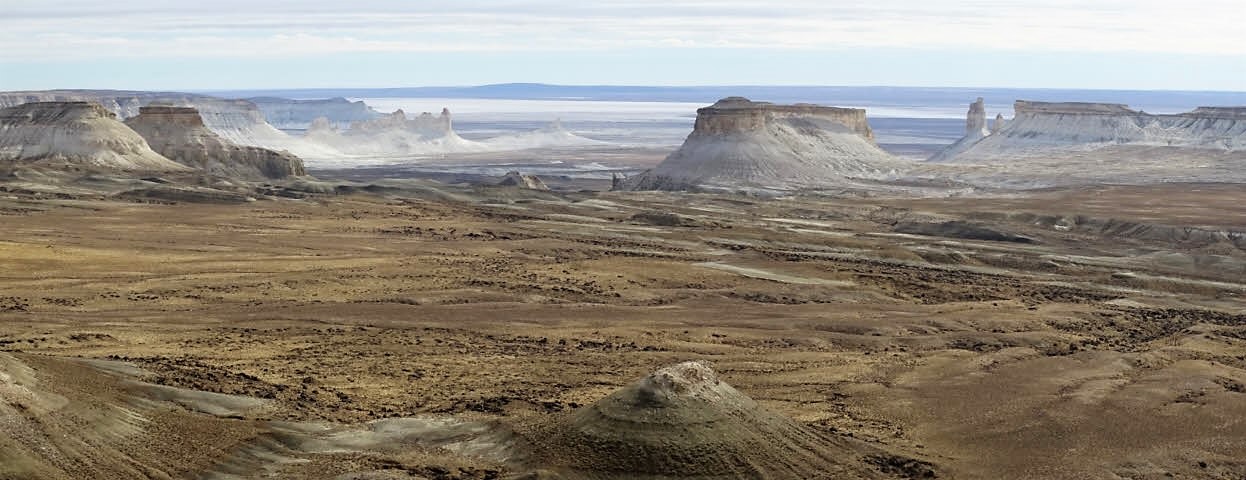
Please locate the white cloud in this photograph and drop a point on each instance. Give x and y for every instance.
(69, 29)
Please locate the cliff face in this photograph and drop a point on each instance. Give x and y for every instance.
(975, 120)
(180, 134)
(81, 133)
(975, 131)
(740, 143)
(297, 114)
(238, 121)
(1047, 128)
(741, 115)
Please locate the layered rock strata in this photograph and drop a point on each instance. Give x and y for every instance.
(80, 133)
(238, 121)
(285, 113)
(179, 133)
(738, 143)
(1058, 128)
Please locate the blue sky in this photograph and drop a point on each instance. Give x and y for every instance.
(233, 44)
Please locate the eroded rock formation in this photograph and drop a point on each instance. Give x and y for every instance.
(179, 133)
(516, 179)
(975, 121)
(80, 133)
(999, 123)
(285, 113)
(238, 121)
(740, 143)
(682, 421)
(975, 130)
(395, 134)
(1056, 128)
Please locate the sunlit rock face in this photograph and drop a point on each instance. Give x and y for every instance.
(79, 133)
(740, 143)
(179, 133)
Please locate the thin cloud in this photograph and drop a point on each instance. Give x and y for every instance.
(72, 29)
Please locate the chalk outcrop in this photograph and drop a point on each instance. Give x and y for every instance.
(395, 134)
(1051, 128)
(682, 421)
(179, 133)
(238, 121)
(975, 121)
(975, 131)
(999, 123)
(288, 114)
(738, 143)
(79, 133)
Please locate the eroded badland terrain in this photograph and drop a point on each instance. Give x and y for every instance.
(1076, 333)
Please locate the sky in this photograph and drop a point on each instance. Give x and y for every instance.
(256, 44)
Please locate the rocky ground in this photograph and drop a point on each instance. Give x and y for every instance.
(1083, 333)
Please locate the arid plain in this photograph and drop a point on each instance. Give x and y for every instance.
(1093, 333)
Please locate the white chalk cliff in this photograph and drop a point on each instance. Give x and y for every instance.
(80, 133)
(975, 131)
(1046, 129)
(740, 143)
(179, 134)
(238, 121)
(288, 114)
(394, 135)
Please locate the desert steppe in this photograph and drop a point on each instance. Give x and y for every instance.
(1082, 332)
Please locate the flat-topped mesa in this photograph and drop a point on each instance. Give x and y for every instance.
(76, 132)
(183, 116)
(738, 143)
(1232, 113)
(1060, 129)
(739, 114)
(179, 133)
(50, 113)
(295, 114)
(1023, 107)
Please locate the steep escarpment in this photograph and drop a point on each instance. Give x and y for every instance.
(1046, 128)
(285, 113)
(238, 121)
(79, 133)
(179, 133)
(123, 103)
(740, 143)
